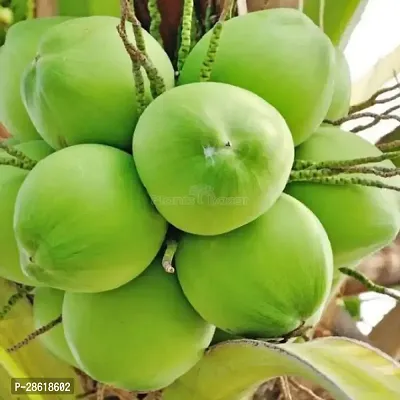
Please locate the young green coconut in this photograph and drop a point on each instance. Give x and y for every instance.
(83, 221)
(212, 156)
(340, 103)
(359, 220)
(146, 333)
(47, 307)
(263, 280)
(18, 51)
(11, 179)
(279, 54)
(80, 88)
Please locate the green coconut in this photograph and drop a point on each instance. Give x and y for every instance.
(141, 336)
(279, 54)
(47, 307)
(262, 280)
(80, 88)
(17, 53)
(359, 220)
(83, 220)
(340, 103)
(212, 156)
(11, 179)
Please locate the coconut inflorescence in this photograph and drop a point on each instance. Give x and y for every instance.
(161, 211)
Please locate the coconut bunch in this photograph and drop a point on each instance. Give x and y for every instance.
(147, 211)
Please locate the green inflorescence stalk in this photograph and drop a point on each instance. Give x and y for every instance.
(20, 159)
(155, 20)
(186, 33)
(302, 176)
(137, 29)
(373, 287)
(156, 86)
(137, 75)
(21, 292)
(349, 172)
(138, 58)
(13, 162)
(35, 334)
(383, 172)
(206, 69)
(304, 164)
(315, 173)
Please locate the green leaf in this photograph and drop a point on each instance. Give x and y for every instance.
(349, 370)
(339, 19)
(84, 8)
(33, 360)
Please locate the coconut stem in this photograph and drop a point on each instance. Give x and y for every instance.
(304, 164)
(172, 246)
(376, 118)
(139, 59)
(302, 176)
(35, 334)
(378, 171)
(13, 162)
(374, 99)
(134, 54)
(206, 69)
(392, 146)
(186, 33)
(137, 75)
(373, 287)
(155, 20)
(136, 27)
(19, 155)
(21, 292)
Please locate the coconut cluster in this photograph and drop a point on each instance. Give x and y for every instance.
(197, 181)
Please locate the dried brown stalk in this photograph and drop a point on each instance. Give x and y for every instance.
(374, 99)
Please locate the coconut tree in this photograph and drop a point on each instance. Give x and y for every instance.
(327, 356)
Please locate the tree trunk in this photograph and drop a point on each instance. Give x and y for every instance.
(45, 8)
